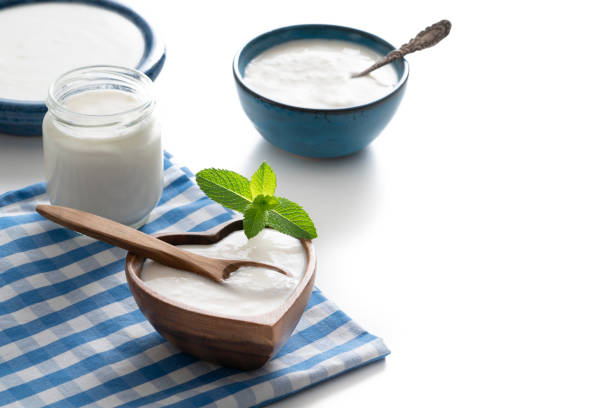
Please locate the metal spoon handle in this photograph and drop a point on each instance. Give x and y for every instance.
(425, 39)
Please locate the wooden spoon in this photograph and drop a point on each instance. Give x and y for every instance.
(425, 39)
(145, 245)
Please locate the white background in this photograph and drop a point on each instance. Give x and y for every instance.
(474, 234)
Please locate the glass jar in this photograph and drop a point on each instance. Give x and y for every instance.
(102, 143)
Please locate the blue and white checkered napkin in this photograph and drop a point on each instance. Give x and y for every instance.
(71, 333)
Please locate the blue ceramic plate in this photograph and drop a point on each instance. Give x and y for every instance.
(24, 118)
(322, 133)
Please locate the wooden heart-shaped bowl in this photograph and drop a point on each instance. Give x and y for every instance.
(241, 342)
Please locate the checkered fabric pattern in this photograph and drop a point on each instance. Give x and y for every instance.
(72, 335)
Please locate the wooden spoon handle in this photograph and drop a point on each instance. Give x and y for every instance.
(425, 39)
(124, 237)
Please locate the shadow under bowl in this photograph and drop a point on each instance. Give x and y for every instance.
(241, 342)
(310, 132)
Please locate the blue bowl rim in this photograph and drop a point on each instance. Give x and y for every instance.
(153, 55)
(400, 83)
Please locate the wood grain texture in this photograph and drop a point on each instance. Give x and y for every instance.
(241, 342)
(143, 244)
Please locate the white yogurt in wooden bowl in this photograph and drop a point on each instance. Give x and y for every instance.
(249, 291)
(241, 322)
(316, 74)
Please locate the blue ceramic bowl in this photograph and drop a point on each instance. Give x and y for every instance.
(24, 118)
(317, 132)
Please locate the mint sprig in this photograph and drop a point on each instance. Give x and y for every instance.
(263, 181)
(226, 187)
(255, 199)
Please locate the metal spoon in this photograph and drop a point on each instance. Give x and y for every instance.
(425, 39)
(145, 245)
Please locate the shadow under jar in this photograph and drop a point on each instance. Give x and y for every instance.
(102, 143)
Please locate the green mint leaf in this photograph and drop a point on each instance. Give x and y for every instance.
(263, 181)
(254, 221)
(265, 203)
(256, 201)
(291, 219)
(226, 187)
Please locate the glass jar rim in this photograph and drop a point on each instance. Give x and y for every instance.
(128, 77)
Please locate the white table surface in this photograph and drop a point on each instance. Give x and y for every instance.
(474, 234)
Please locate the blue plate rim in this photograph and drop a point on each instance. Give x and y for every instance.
(400, 83)
(151, 62)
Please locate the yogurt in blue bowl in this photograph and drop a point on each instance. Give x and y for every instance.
(295, 85)
(41, 40)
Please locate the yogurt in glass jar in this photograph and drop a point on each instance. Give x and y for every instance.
(102, 143)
